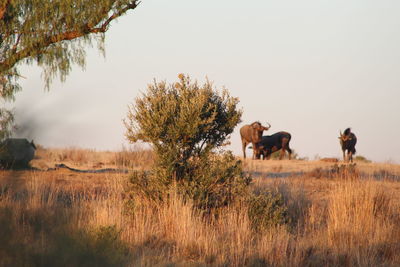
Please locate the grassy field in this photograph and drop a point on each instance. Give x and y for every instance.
(339, 216)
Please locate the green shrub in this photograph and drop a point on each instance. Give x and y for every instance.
(361, 159)
(215, 182)
(267, 209)
(187, 124)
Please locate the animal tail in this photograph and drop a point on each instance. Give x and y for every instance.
(289, 137)
(285, 143)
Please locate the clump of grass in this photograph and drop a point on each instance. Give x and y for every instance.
(134, 157)
(329, 160)
(343, 171)
(267, 209)
(363, 159)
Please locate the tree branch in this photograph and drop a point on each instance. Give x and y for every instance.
(38, 47)
(14, 48)
(132, 5)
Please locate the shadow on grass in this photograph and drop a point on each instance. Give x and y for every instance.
(42, 239)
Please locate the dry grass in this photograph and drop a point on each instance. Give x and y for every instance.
(336, 221)
(306, 166)
(135, 157)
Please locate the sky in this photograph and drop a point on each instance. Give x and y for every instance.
(311, 68)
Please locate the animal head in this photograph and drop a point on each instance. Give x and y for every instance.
(258, 129)
(346, 136)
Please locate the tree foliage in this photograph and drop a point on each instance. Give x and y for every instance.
(187, 125)
(52, 33)
(6, 123)
(182, 121)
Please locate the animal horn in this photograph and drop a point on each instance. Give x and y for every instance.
(269, 125)
(33, 144)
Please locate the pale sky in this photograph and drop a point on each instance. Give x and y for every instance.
(311, 68)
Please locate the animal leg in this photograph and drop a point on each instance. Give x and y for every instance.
(244, 144)
(263, 153)
(255, 154)
(255, 151)
(289, 151)
(268, 154)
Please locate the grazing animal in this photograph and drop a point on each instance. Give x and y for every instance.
(16, 153)
(348, 142)
(272, 143)
(252, 133)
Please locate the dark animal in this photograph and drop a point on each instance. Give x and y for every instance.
(273, 143)
(252, 134)
(16, 153)
(348, 142)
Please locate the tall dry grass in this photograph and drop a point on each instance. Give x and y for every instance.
(335, 221)
(363, 221)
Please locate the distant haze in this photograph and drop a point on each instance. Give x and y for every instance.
(311, 68)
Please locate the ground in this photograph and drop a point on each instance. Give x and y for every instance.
(340, 215)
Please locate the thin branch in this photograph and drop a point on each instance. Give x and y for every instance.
(14, 49)
(132, 5)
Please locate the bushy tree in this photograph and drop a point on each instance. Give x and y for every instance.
(187, 124)
(54, 34)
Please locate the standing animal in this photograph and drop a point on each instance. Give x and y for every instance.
(272, 143)
(252, 133)
(16, 153)
(348, 142)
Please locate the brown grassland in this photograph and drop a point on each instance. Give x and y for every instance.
(340, 215)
